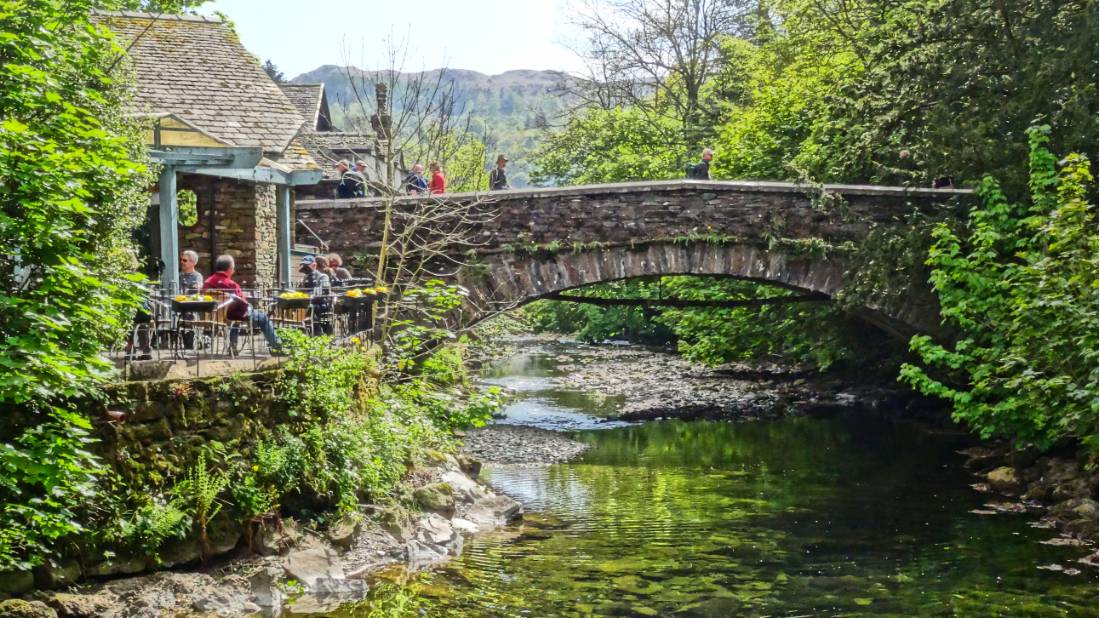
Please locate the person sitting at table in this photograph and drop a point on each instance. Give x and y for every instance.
(319, 286)
(323, 267)
(336, 263)
(190, 279)
(190, 283)
(239, 309)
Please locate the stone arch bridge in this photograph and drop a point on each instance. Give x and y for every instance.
(535, 243)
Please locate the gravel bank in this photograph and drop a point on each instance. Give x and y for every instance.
(657, 384)
(512, 444)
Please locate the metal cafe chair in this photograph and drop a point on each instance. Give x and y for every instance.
(322, 315)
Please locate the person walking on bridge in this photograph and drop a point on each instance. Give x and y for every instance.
(498, 180)
(701, 170)
(438, 184)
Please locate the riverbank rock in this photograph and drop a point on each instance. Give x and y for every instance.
(312, 564)
(493, 511)
(435, 497)
(342, 533)
(70, 605)
(18, 608)
(275, 538)
(1003, 479)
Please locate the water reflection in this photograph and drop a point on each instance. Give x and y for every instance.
(806, 516)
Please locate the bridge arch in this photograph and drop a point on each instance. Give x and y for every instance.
(507, 281)
(597, 233)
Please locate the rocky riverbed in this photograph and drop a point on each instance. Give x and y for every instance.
(659, 384)
(291, 569)
(512, 444)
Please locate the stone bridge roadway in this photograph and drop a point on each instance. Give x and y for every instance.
(546, 240)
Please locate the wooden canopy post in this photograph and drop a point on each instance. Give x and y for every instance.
(169, 223)
(282, 207)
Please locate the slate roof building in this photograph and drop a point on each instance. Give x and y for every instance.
(223, 129)
(312, 104)
(327, 144)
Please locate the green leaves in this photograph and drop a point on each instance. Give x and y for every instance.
(72, 186)
(1020, 283)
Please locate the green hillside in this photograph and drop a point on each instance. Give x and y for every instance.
(509, 110)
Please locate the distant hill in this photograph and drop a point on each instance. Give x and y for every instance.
(511, 108)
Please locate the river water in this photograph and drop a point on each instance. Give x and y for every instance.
(838, 516)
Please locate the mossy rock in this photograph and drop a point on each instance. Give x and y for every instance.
(18, 608)
(16, 582)
(1003, 478)
(436, 497)
(57, 575)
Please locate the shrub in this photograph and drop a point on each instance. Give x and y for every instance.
(1020, 285)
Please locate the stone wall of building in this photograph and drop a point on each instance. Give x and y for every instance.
(237, 218)
(266, 257)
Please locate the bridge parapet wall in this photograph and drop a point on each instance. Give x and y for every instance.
(624, 213)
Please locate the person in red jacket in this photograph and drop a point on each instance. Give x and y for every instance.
(438, 184)
(239, 309)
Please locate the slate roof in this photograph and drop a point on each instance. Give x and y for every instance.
(195, 67)
(296, 157)
(328, 147)
(311, 103)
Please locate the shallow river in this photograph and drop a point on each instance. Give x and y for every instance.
(836, 516)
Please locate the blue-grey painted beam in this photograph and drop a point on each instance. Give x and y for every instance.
(198, 156)
(282, 207)
(259, 174)
(169, 226)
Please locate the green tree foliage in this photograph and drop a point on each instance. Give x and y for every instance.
(273, 72)
(907, 92)
(1020, 284)
(609, 146)
(72, 185)
(821, 335)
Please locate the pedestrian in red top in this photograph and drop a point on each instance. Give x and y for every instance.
(439, 182)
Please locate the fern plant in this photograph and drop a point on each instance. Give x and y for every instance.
(201, 489)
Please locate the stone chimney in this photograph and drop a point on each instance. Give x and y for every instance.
(380, 121)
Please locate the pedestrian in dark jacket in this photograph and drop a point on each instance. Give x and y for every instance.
(701, 170)
(414, 183)
(498, 180)
(347, 186)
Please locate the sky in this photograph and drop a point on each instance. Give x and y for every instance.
(490, 36)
